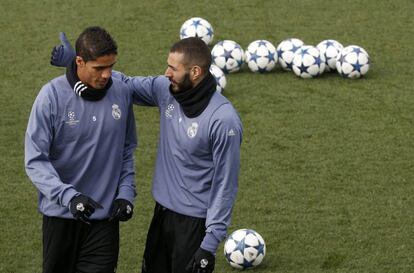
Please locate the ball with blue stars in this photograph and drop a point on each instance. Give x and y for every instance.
(308, 62)
(228, 56)
(244, 248)
(286, 50)
(197, 27)
(353, 62)
(261, 56)
(330, 48)
(219, 76)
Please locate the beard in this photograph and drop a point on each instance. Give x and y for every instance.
(185, 85)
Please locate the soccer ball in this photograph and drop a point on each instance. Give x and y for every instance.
(352, 62)
(285, 52)
(308, 62)
(261, 56)
(244, 248)
(197, 27)
(228, 56)
(331, 49)
(219, 76)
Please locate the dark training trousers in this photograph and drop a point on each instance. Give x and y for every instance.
(172, 240)
(71, 246)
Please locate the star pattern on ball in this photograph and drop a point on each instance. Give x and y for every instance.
(303, 68)
(303, 51)
(225, 70)
(279, 52)
(271, 56)
(246, 264)
(228, 254)
(254, 56)
(341, 59)
(261, 43)
(357, 50)
(196, 23)
(294, 48)
(209, 31)
(242, 245)
(328, 44)
(226, 54)
(357, 66)
(318, 60)
(182, 33)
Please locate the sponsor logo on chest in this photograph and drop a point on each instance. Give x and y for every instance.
(116, 111)
(72, 120)
(169, 111)
(192, 130)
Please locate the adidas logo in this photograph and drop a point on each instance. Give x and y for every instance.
(231, 133)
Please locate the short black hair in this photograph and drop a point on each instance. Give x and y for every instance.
(95, 42)
(195, 51)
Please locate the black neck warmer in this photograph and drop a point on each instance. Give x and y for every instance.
(196, 99)
(81, 89)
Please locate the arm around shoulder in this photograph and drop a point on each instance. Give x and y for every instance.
(146, 91)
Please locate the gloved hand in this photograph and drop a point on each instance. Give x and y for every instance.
(202, 262)
(82, 207)
(62, 55)
(122, 210)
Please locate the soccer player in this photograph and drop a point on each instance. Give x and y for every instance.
(198, 160)
(79, 147)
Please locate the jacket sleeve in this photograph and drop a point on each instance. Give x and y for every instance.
(226, 139)
(126, 187)
(38, 138)
(146, 91)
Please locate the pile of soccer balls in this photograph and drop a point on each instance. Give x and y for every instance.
(291, 54)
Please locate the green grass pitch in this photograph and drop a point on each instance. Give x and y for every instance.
(327, 164)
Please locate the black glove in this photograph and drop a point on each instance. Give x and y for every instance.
(122, 210)
(202, 262)
(82, 207)
(62, 55)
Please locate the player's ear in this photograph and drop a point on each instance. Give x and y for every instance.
(79, 61)
(195, 72)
